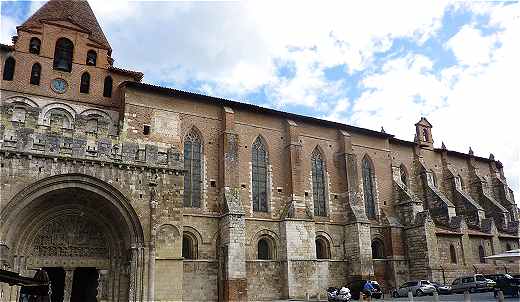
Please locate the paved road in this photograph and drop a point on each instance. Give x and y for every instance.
(477, 297)
(456, 297)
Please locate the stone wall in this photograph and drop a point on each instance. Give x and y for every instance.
(200, 282)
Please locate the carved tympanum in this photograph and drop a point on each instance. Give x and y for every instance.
(70, 236)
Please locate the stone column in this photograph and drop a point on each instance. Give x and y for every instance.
(151, 248)
(232, 224)
(102, 285)
(67, 288)
(132, 274)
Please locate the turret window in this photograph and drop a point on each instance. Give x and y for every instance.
(35, 74)
(85, 83)
(35, 45)
(63, 53)
(9, 66)
(91, 58)
(107, 90)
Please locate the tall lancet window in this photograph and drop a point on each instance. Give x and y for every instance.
(193, 166)
(318, 183)
(259, 177)
(368, 188)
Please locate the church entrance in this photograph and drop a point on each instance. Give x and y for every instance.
(84, 241)
(84, 287)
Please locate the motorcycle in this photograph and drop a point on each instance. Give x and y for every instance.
(338, 295)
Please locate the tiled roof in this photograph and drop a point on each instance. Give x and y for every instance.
(77, 12)
(138, 76)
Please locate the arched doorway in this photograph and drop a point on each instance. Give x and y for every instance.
(83, 232)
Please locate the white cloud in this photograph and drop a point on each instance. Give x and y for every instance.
(471, 47)
(472, 104)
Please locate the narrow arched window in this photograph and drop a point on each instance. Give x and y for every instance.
(404, 175)
(63, 53)
(481, 254)
(453, 254)
(36, 71)
(189, 246)
(91, 58)
(192, 165)
(9, 66)
(426, 136)
(84, 86)
(368, 188)
(259, 175)
(264, 249)
(378, 249)
(107, 90)
(322, 248)
(35, 45)
(458, 182)
(318, 183)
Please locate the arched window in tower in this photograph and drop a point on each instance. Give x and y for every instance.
(378, 249)
(9, 66)
(91, 58)
(35, 45)
(192, 165)
(481, 254)
(426, 136)
(84, 86)
(368, 187)
(453, 254)
(404, 175)
(318, 183)
(36, 71)
(63, 53)
(107, 90)
(259, 175)
(265, 249)
(189, 246)
(322, 248)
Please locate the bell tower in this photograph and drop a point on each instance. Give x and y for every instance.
(423, 133)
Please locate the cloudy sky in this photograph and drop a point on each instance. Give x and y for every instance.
(365, 63)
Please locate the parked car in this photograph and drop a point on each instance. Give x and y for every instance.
(442, 289)
(475, 283)
(356, 289)
(506, 283)
(490, 284)
(418, 288)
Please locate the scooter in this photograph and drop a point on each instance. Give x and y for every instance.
(338, 295)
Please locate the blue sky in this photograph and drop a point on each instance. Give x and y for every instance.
(366, 63)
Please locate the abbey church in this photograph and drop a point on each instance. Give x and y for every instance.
(126, 191)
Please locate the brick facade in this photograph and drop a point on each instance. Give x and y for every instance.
(92, 155)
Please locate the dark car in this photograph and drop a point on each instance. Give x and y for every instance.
(356, 289)
(506, 283)
(441, 288)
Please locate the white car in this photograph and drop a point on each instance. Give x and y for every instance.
(418, 288)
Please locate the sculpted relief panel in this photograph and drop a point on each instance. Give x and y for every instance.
(70, 236)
